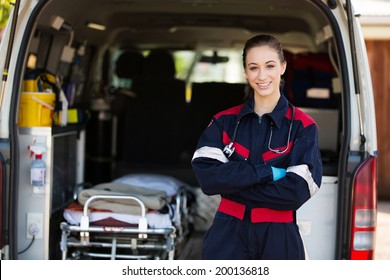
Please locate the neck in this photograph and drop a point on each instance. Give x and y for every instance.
(265, 104)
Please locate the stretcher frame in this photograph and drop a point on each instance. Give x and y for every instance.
(122, 242)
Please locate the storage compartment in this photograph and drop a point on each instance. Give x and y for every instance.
(63, 172)
(36, 109)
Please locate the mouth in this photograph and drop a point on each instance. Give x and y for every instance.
(264, 85)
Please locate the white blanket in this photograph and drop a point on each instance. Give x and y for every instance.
(165, 183)
(152, 199)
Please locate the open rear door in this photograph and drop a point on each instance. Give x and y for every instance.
(6, 209)
(3, 217)
(359, 225)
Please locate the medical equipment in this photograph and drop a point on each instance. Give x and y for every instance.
(138, 232)
(229, 149)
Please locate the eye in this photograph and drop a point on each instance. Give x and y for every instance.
(253, 68)
(270, 66)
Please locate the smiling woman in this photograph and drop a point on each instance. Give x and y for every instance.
(273, 196)
(264, 65)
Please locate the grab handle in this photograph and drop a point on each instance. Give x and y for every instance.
(43, 103)
(142, 226)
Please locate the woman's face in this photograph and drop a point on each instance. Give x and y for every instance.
(263, 69)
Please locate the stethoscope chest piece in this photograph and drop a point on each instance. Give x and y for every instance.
(229, 149)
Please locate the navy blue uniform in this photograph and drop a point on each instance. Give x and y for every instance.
(255, 219)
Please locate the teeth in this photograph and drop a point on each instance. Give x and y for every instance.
(264, 85)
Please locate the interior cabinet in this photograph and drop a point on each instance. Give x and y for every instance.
(64, 172)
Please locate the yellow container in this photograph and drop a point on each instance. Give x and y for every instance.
(31, 85)
(36, 109)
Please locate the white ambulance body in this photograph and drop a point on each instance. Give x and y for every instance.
(328, 76)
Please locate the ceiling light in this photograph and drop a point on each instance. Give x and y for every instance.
(173, 29)
(96, 26)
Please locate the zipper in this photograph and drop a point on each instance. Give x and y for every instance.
(259, 140)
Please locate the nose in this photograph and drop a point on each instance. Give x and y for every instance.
(261, 75)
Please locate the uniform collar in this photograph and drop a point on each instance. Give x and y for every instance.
(277, 115)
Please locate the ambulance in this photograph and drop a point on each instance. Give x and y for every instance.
(98, 89)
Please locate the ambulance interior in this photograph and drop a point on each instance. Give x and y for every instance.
(142, 79)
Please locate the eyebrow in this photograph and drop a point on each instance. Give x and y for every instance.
(269, 61)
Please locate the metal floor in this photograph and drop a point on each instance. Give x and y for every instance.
(192, 250)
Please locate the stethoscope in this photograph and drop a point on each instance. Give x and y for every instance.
(229, 149)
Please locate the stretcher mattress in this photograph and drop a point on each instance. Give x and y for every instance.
(97, 217)
(137, 216)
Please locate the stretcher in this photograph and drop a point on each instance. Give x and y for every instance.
(107, 224)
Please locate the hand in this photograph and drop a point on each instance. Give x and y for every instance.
(278, 173)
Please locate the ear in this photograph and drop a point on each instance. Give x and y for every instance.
(246, 76)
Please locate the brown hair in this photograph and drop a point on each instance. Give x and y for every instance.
(259, 41)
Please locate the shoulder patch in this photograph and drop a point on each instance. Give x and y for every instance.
(231, 111)
(304, 118)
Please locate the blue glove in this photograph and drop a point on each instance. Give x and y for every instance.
(278, 173)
